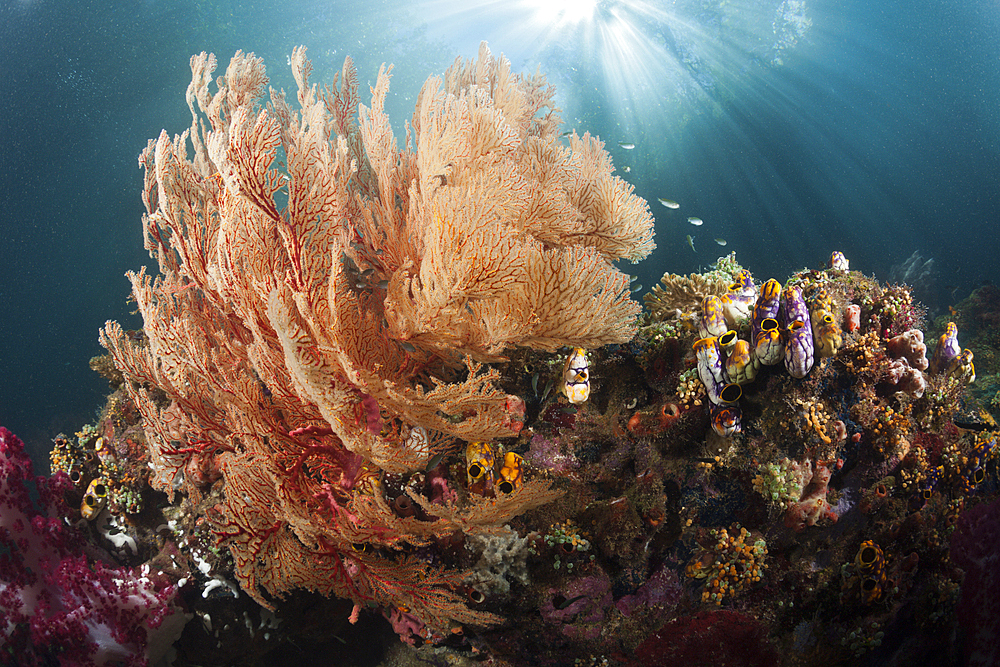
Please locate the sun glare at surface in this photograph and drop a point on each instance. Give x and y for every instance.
(557, 12)
(651, 62)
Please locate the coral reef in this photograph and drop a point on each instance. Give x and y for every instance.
(818, 523)
(406, 391)
(819, 531)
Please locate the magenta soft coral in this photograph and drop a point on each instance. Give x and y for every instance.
(55, 608)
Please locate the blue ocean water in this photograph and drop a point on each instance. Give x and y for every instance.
(792, 128)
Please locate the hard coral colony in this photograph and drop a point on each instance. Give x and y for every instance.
(412, 379)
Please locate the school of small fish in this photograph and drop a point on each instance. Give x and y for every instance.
(697, 222)
(671, 204)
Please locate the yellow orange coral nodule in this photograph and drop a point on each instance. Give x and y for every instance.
(731, 564)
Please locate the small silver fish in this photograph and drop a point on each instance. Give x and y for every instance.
(628, 170)
(690, 240)
(721, 241)
(669, 203)
(627, 145)
(697, 222)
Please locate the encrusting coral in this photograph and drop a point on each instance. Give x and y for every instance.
(326, 301)
(677, 294)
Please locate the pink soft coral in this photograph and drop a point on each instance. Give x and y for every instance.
(56, 608)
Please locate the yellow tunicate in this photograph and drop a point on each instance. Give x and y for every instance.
(479, 461)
